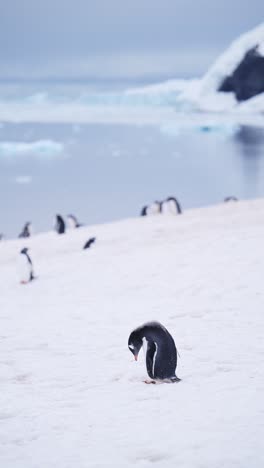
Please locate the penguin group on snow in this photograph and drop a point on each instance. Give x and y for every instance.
(160, 351)
(26, 274)
(159, 346)
(168, 206)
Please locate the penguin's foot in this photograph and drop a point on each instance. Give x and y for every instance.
(172, 380)
(150, 382)
(23, 282)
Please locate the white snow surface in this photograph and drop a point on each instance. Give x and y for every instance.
(71, 393)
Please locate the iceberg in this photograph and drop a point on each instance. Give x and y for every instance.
(41, 148)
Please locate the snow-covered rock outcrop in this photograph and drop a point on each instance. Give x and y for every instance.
(237, 75)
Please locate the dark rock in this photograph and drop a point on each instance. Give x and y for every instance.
(247, 79)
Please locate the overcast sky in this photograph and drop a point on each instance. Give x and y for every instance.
(119, 38)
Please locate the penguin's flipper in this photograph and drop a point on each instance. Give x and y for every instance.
(151, 349)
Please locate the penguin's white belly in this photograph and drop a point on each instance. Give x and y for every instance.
(153, 209)
(169, 207)
(145, 347)
(24, 269)
(71, 222)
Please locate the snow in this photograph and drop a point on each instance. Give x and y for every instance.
(40, 148)
(71, 393)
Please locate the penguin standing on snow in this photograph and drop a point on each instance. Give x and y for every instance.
(153, 209)
(88, 243)
(228, 199)
(26, 272)
(73, 221)
(26, 231)
(171, 206)
(160, 349)
(144, 211)
(59, 224)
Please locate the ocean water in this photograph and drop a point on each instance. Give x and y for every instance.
(121, 151)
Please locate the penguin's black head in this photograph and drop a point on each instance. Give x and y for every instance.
(24, 250)
(135, 343)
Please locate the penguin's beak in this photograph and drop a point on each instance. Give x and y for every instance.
(136, 357)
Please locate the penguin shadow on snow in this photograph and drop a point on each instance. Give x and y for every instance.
(160, 352)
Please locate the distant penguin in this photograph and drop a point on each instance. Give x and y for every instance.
(228, 199)
(73, 222)
(60, 224)
(26, 273)
(88, 244)
(153, 209)
(26, 231)
(161, 352)
(171, 206)
(144, 211)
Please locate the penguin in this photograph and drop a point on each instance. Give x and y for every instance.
(89, 243)
(144, 211)
(161, 352)
(73, 222)
(171, 206)
(26, 272)
(228, 199)
(26, 231)
(59, 224)
(153, 209)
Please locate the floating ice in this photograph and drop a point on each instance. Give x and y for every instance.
(41, 148)
(23, 179)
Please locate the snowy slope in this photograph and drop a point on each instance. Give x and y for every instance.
(71, 394)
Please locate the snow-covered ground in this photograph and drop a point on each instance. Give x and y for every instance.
(71, 394)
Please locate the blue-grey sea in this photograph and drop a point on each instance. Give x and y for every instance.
(104, 171)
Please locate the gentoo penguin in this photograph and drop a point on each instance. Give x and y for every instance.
(228, 199)
(171, 206)
(73, 222)
(26, 231)
(26, 273)
(59, 224)
(144, 211)
(89, 243)
(161, 352)
(153, 209)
